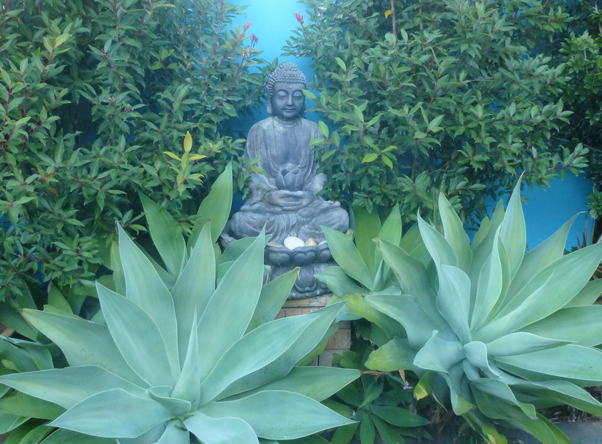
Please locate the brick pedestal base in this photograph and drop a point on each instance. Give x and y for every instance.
(338, 343)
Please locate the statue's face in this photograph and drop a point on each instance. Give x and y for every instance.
(288, 101)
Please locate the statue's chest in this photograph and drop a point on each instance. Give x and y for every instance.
(290, 147)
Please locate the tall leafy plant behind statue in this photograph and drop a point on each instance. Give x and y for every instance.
(187, 356)
(507, 331)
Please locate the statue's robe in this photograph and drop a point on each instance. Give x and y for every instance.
(285, 200)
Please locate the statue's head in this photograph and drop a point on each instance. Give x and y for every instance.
(285, 92)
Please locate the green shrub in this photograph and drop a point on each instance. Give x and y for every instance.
(508, 332)
(439, 95)
(92, 95)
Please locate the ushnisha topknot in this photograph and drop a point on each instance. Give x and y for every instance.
(286, 73)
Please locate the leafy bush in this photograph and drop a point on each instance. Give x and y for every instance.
(440, 95)
(91, 98)
(180, 354)
(508, 332)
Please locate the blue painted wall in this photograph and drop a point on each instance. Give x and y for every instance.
(273, 22)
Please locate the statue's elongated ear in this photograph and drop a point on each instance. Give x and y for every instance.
(270, 105)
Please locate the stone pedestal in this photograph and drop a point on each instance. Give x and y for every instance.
(337, 343)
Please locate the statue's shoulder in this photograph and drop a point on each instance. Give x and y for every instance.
(261, 126)
(310, 125)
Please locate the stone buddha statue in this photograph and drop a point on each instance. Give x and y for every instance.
(285, 200)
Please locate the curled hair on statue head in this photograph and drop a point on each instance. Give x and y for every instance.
(285, 73)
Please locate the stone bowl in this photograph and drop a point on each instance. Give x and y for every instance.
(300, 256)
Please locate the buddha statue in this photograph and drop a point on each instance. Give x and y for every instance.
(285, 200)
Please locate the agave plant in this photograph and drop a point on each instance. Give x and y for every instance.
(187, 361)
(509, 332)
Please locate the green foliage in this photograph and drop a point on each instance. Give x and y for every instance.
(92, 97)
(507, 331)
(182, 353)
(441, 95)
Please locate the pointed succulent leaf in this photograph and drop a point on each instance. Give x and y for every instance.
(338, 282)
(500, 390)
(20, 404)
(439, 355)
(215, 207)
(188, 386)
(83, 342)
(166, 234)
(520, 343)
(582, 325)
(103, 415)
(226, 318)
(489, 287)
(453, 300)
(367, 227)
(68, 386)
(359, 306)
(150, 437)
(481, 232)
(62, 436)
(540, 257)
(397, 354)
(348, 257)
(476, 354)
(194, 288)
(455, 234)
(226, 430)
(278, 414)
(514, 232)
(175, 433)
(272, 298)
(317, 383)
(256, 350)
(588, 294)
(439, 248)
(145, 288)
(177, 407)
(137, 337)
(392, 228)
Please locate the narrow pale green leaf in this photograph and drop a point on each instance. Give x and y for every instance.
(225, 430)
(20, 404)
(453, 300)
(278, 414)
(348, 257)
(231, 308)
(455, 234)
(502, 391)
(367, 227)
(138, 338)
(563, 391)
(317, 383)
(103, 415)
(149, 437)
(215, 207)
(145, 288)
(188, 386)
(476, 354)
(359, 306)
(397, 354)
(439, 355)
(117, 267)
(63, 436)
(588, 294)
(68, 386)
(539, 258)
(583, 325)
(175, 433)
(391, 232)
(166, 234)
(83, 342)
(29, 351)
(194, 288)
(489, 287)
(514, 231)
(176, 406)
(272, 298)
(481, 233)
(338, 282)
(439, 248)
(521, 342)
(257, 349)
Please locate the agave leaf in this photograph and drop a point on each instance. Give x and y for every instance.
(194, 288)
(476, 353)
(215, 207)
(20, 404)
(309, 339)
(26, 352)
(455, 234)
(145, 288)
(514, 231)
(166, 234)
(273, 296)
(359, 306)
(317, 383)
(138, 338)
(583, 325)
(439, 355)
(588, 294)
(11, 422)
(453, 300)
(62, 436)
(563, 391)
(500, 390)
(175, 433)
(256, 350)
(367, 227)
(489, 287)
(481, 232)
(520, 343)
(226, 319)
(406, 310)
(574, 363)
(103, 415)
(460, 393)
(390, 232)
(540, 257)
(83, 342)
(411, 240)
(68, 386)
(394, 355)
(177, 407)
(348, 257)
(277, 414)
(150, 437)
(338, 282)
(188, 386)
(439, 248)
(224, 430)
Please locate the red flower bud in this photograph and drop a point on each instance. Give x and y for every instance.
(247, 25)
(299, 18)
(254, 39)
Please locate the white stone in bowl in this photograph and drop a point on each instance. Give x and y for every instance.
(293, 242)
(311, 243)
